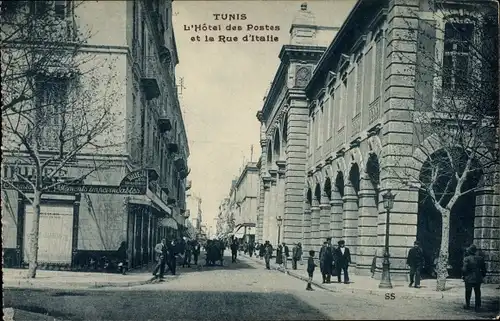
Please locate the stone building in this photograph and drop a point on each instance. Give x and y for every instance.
(284, 131)
(368, 109)
(99, 213)
(369, 113)
(245, 202)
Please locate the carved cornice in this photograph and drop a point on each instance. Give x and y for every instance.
(281, 164)
(375, 130)
(319, 166)
(260, 115)
(355, 143)
(359, 43)
(310, 173)
(273, 173)
(341, 152)
(329, 160)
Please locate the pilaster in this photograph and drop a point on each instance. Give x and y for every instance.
(324, 224)
(350, 220)
(336, 227)
(315, 226)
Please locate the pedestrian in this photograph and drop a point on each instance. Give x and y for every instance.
(310, 270)
(474, 271)
(251, 248)
(286, 254)
(268, 254)
(161, 254)
(279, 255)
(328, 260)
(415, 261)
(171, 253)
(342, 259)
(187, 254)
(262, 250)
(196, 252)
(234, 250)
(322, 261)
(296, 255)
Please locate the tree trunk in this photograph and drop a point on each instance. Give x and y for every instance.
(442, 265)
(33, 237)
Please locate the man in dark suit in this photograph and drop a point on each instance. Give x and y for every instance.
(328, 260)
(474, 271)
(343, 259)
(415, 261)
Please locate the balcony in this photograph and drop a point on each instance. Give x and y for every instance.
(171, 201)
(173, 147)
(150, 88)
(164, 124)
(164, 188)
(356, 124)
(374, 110)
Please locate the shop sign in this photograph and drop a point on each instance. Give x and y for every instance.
(73, 189)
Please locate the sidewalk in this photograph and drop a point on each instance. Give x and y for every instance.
(16, 278)
(366, 284)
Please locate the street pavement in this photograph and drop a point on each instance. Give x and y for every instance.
(238, 291)
(358, 283)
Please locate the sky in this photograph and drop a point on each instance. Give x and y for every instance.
(224, 84)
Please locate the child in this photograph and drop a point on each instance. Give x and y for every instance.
(310, 269)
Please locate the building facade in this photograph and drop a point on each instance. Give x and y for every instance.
(284, 131)
(136, 45)
(372, 120)
(245, 202)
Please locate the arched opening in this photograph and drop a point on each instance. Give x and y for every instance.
(309, 196)
(317, 193)
(462, 215)
(328, 188)
(284, 134)
(339, 184)
(269, 154)
(277, 146)
(373, 171)
(354, 179)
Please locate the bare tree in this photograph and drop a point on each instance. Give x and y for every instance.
(58, 103)
(455, 112)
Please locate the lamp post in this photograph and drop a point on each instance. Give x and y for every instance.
(385, 281)
(280, 221)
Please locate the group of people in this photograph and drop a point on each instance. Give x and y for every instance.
(215, 252)
(473, 271)
(167, 252)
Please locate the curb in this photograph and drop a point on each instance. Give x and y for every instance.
(403, 295)
(26, 284)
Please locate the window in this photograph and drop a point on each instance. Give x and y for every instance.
(359, 86)
(367, 91)
(51, 113)
(329, 120)
(135, 16)
(167, 18)
(59, 8)
(343, 101)
(378, 68)
(318, 126)
(456, 58)
(10, 7)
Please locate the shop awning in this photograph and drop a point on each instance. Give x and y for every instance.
(169, 222)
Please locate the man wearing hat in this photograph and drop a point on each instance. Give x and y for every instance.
(328, 260)
(415, 261)
(474, 271)
(343, 259)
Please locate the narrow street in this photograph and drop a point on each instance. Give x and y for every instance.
(237, 291)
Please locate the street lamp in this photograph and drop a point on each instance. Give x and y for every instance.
(280, 221)
(385, 281)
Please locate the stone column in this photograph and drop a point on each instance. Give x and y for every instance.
(324, 217)
(273, 206)
(488, 217)
(336, 225)
(260, 212)
(306, 218)
(266, 181)
(315, 225)
(296, 159)
(280, 208)
(259, 233)
(367, 228)
(350, 219)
